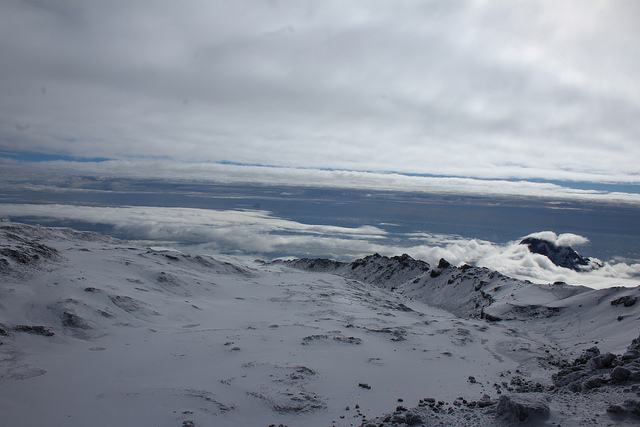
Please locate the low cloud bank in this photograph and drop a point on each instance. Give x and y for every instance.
(236, 231)
(260, 233)
(515, 260)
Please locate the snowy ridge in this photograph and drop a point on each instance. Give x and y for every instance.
(98, 331)
(559, 309)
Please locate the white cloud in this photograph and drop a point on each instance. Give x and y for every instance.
(247, 231)
(565, 239)
(515, 260)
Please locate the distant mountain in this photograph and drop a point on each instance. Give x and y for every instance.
(562, 256)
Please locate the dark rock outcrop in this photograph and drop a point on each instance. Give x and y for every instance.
(627, 300)
(562, 256)
(594, 370)
(35, 330)
(523, 406)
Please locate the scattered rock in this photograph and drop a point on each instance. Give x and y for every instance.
(632, 406)
(627, 300)
(594, 382)
(348, 340)
(412, 419)
(71, 320)
(587, 355)
(311, 338)
(484, 403)
(523, 406)
(603, 361)
(631, 354)
(36, 330)
(615, 409)
(620, 373)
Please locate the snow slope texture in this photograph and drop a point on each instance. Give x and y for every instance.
(97, 331)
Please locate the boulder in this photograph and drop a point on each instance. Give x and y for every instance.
(524, 405)
(620, 374)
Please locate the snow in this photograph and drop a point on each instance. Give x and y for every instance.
(156, 337)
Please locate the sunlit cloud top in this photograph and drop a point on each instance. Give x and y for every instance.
(500, 89)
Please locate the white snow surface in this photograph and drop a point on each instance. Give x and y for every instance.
(155, 337)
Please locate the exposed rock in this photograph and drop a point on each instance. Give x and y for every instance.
(71, 320)
(443, 264)
(587, 355)
(523, 406)
(594, 382)
(620, 373)
(36, 330)
(376, 269)
(562, 256)
(632, 406)
(413, 419)
(631, 354)
(615, 409)
(603, 361)
(627, 300)
(593, 370)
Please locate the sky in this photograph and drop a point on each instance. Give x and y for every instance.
(225, 124)
(495, 90)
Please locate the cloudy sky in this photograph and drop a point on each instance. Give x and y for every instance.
(491, 90)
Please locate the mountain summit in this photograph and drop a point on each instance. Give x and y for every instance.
(562, 256)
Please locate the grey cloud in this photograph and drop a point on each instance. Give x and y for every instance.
(69, 177)
(543, 87)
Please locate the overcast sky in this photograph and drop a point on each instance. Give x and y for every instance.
(482, 89)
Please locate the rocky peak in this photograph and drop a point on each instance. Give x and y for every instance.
(562, 256)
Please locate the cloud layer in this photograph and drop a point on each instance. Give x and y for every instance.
(259, 233)
(48, 176)
(459, 88)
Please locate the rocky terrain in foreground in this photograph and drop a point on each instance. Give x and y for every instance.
(603, 388)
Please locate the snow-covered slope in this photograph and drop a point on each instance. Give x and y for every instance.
(97, 331)
(575, 315)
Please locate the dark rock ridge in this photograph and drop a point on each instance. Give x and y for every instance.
(562, 256)
(375, 269)
(465, 291)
